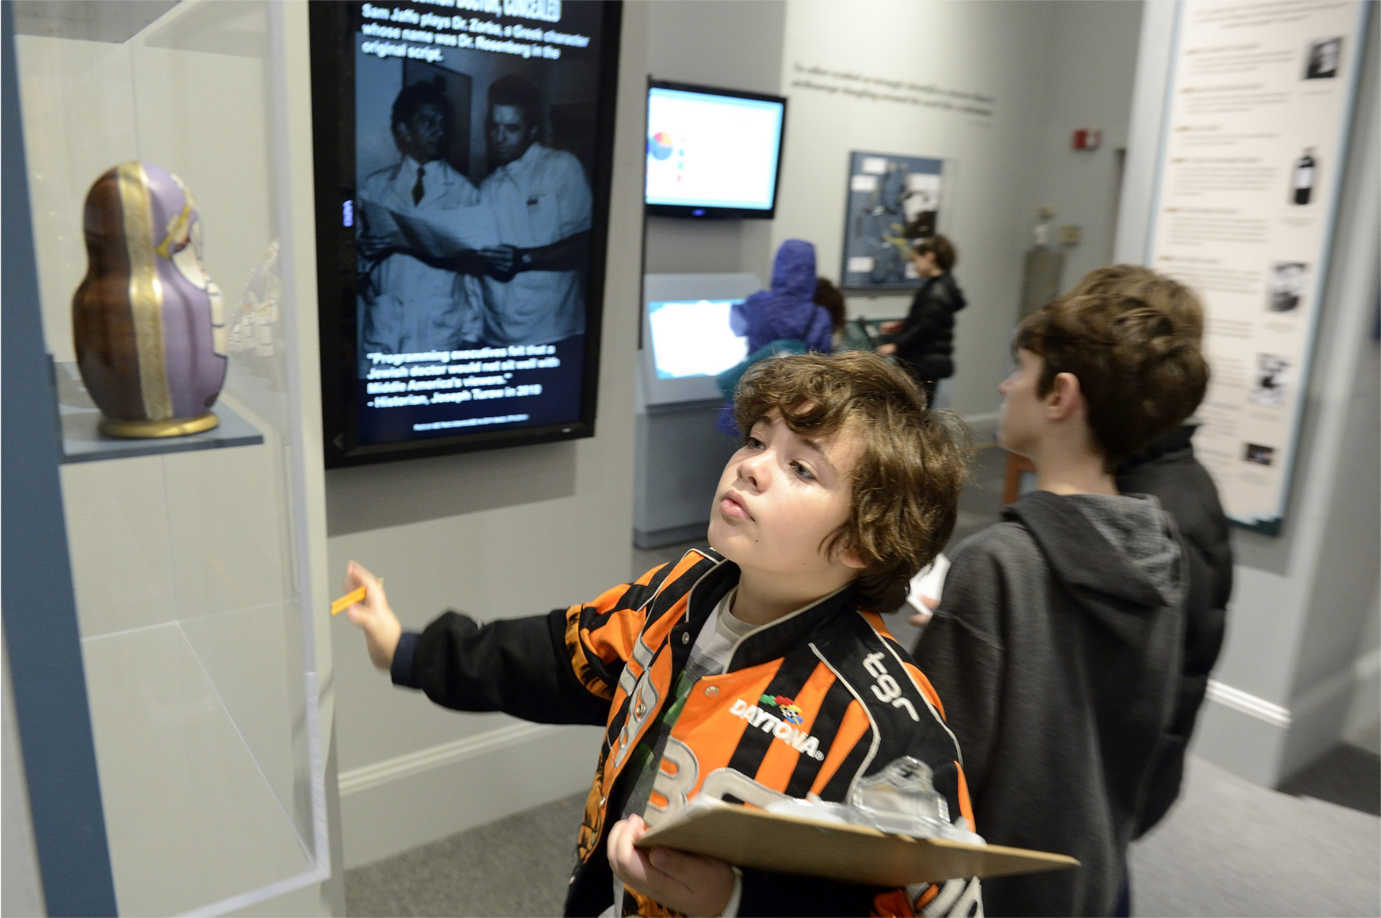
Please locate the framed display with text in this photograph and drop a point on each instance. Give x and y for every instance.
(463, 158)
(892, 202)
(1251, 165)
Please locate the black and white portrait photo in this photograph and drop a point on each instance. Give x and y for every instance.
(1321, 62)
(1257, 454)
(1286, 286)
(1270, 381)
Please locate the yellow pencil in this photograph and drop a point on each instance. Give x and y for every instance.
(349, 599)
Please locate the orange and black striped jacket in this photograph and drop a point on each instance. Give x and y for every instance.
(811, 703)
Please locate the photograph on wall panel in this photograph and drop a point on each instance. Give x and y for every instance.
(463, 167)
(892, 203)
(1244, 213)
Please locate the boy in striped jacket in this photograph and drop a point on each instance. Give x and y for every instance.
(752, 671)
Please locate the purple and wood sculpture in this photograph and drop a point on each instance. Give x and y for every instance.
(147, 320)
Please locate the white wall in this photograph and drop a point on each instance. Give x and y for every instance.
(1091, 61)
(998, 169)
(1299, 666)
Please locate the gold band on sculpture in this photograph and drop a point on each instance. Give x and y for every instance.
(116, 428)
(145, 291)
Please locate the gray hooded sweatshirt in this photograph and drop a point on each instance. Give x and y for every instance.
(1056, 652)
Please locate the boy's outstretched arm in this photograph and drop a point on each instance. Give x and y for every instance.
(560, 667)
(374, 616)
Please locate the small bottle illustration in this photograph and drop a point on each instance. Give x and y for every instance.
(1302, 181)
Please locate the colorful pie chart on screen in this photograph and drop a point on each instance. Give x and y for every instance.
(659, 145)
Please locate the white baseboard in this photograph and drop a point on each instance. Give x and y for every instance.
(1241, 732)
(1248, 704)
(418, 798)
(1267, 743)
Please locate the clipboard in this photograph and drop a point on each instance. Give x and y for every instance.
(750, 837)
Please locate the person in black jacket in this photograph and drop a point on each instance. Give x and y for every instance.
(1168, 470)
(923, 343)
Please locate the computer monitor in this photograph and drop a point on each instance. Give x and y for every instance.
(688, 338)
(712, 152)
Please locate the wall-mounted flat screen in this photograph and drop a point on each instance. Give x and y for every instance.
(712, 152)
(463, 159)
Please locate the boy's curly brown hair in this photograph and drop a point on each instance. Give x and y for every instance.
(1139, 366)
(912, 461)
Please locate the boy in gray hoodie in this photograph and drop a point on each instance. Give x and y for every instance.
(1057, 644)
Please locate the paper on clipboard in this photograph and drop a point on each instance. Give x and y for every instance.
(440, 234)
(750, 837)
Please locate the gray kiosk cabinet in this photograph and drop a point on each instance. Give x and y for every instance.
(687, 340)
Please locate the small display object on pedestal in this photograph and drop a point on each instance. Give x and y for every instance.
(147, 321)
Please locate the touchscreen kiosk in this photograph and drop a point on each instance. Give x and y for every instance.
(687, 340)
(693, 338)
(688, 337)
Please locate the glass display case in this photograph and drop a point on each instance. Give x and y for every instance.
(193, 557)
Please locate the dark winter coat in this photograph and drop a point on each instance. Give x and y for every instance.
(1168, 471)
(925, 344)
(786, 309)
(780, 320)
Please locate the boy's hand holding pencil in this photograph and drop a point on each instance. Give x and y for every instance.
(366, 605)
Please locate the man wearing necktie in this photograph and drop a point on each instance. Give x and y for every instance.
(412, 301)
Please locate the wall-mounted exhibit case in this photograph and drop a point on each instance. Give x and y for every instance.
(190, 568)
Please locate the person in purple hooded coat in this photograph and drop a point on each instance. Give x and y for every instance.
(783, 319)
